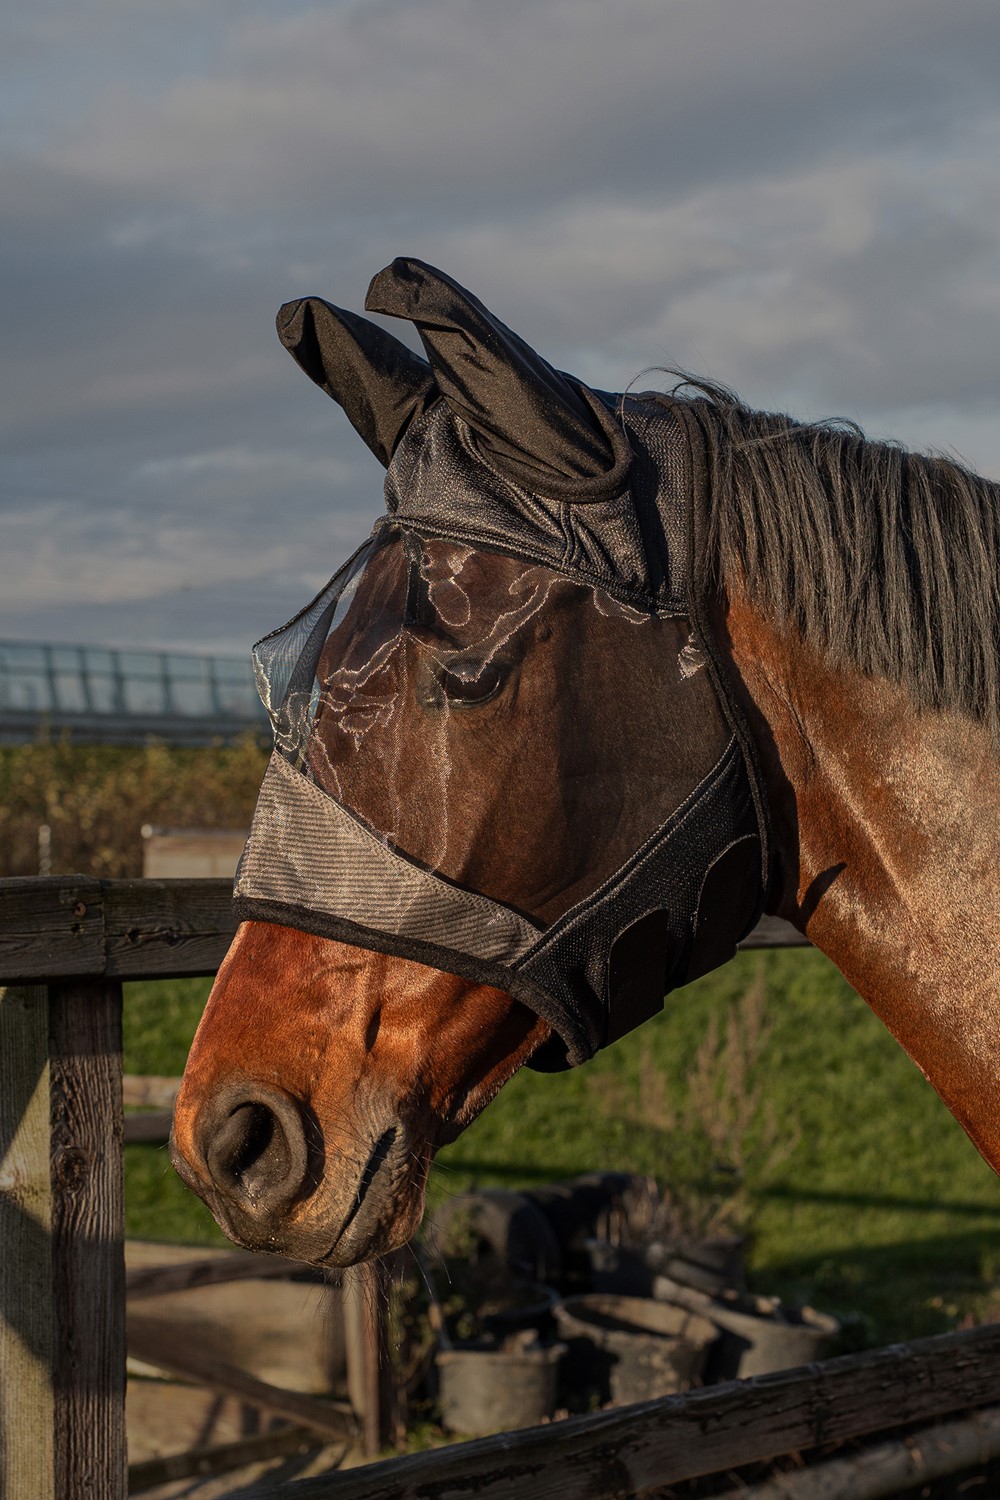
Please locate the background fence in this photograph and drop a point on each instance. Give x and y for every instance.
(105, 694)
(66, 945)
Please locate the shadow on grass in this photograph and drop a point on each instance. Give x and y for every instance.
(897, 1291)
(481, 1168)
(879, 1200)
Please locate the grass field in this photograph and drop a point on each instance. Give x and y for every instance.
(767, 1094)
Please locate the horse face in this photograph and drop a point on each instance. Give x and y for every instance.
(517, 733)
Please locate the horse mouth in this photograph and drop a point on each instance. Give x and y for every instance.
(373, 1222)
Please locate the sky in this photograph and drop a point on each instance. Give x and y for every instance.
(798, 198)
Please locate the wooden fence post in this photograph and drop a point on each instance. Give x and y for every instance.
(27, 1470)
(88, 1255)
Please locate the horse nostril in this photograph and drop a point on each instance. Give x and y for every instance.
(256, 1151)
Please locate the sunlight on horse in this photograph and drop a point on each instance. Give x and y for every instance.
(612, 676)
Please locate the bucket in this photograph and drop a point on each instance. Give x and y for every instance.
(489, 1388)
(626, 1349)
(758, 1333)
(524, 1304)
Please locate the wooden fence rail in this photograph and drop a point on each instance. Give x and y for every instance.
(66, 945)
(617, 1453)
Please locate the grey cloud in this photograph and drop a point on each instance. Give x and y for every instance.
(448, 104)
(797, 198)
(221, 617)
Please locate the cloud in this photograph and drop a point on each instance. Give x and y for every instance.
(381, 108)
(796, 198)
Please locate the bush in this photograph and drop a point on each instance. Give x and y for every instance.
(95, 799)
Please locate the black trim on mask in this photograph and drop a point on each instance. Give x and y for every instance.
(702, 589)
(572, 977)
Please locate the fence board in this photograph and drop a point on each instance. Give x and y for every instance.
(149, 1091)
(50, 927)
(26, 1332)
(156, 1281)
(221, 1459)
(88, 1255)
(66, 927)
(62, 927)
(167, 927)
(611, 1454)
(775, 932)
(147, 1129)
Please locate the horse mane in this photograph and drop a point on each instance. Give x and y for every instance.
(886, 560)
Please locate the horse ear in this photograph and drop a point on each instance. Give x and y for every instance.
(541, 428)
(380, 384)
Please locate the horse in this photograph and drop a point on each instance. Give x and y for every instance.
(614, 675)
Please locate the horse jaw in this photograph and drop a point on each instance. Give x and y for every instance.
(321, 1081)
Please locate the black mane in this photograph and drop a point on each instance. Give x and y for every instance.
(889, 561)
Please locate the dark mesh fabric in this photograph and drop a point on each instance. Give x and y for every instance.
(499, 742)
(570, 962)
(636, 545)
(454, 701)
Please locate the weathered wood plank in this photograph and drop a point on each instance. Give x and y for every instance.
(156, 1343)
(26, 1334)
(172, 928)
(66, 927)
(369, 1363)
(88, 1258)
(149, 1090)
(775, 932)
(50, 927)
(894, 1467)
(623, 1452)
(148, 1128)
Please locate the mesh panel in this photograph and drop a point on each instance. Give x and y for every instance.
(495, 721)
(499, 748)
(284, 662)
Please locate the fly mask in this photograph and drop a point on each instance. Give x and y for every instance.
(521, 507)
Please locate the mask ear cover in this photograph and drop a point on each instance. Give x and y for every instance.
(381, 385)
(540, 428)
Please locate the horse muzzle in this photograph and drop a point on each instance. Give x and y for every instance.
(256, 1157)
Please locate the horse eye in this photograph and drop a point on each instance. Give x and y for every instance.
(465, 683)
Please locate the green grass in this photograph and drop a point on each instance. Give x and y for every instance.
(863, 1194)
(159, 1021)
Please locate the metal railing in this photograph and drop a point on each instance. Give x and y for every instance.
(103, 692)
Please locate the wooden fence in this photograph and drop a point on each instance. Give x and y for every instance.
(66, 945)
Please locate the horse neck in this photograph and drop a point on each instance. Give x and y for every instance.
(887, 849)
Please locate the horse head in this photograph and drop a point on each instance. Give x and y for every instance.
(510, 804)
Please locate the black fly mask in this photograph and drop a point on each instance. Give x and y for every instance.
(590, 507)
